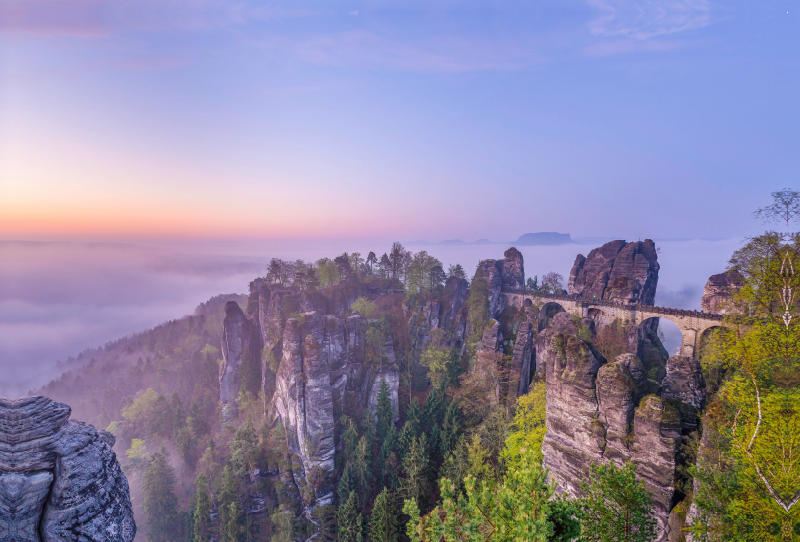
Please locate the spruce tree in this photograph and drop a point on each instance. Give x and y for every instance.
(347, 483)
(202, 511)
(415, 466)
(449, 433)
(383, 412)
(349, 521)
(383, 525)
(616, 507)
(160, 501)
(233, 528)
(362, 466)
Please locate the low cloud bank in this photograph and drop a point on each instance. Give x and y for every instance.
(58, 299)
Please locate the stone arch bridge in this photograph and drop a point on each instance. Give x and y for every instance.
(692, 324)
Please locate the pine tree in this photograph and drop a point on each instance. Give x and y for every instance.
(383, 525)
(160, 501)
(383, 412)
(228, 495)
(202, 511)
(616, 507)
(349, 521)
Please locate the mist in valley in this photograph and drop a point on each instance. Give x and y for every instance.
(59, 299)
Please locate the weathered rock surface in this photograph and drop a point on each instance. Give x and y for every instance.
(59, 479)
(618, 271)
(508, 273)
(620, 386)
(719, 292)
(685, 388)
(522, 359)
(598, 412)
(512, 269)
(322, 375)
(237, 344)
(657, 431)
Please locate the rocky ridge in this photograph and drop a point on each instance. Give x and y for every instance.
(59, 479)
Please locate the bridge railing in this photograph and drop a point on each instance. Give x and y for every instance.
(576, 298)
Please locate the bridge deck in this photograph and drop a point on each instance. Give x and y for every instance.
(631, 307)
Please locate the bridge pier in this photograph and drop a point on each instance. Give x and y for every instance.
(689, 342)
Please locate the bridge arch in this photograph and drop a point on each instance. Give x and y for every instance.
(669, 334)
(547, 311)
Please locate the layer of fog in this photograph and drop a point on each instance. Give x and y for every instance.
(57, 299)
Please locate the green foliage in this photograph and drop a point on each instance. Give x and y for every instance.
(527, 429)
(160, 501)
(383, 412)
(349, 521)
(202, 510)
(383, 525)
(456, 271)
(616, 507)
(364, 307)
(414, 485)
(244, 449)
(137, 453)
(437, 360)
(516, 510)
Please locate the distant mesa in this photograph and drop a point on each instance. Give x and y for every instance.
(452, 242)
(544, 238)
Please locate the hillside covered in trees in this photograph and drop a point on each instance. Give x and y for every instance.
(389, 399)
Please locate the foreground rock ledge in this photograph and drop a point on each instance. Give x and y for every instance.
(59, 479)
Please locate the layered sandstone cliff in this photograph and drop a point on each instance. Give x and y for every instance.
(59, 479)
(719, 292)
(618, 271)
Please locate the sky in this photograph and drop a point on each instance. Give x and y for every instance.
(154, 153)
(223, 119)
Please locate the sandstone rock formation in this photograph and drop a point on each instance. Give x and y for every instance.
(719, 292)
(322, 375)
(238, 345)
(59, 479)
(618, 271)
(599, 411)
(505, 274)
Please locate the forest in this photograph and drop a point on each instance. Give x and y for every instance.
(463, 460)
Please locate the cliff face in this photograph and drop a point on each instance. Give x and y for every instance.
(599, 411)
(59, 479)
(618, 271)
(719, 292)
(240, 344)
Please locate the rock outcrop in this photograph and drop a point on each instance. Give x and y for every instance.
(322, 375)
(59, 479)
(239, 345)
(618, 271)
(719, 292)
(599, 411)
(505, 274)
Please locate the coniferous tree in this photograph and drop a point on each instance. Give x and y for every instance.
(362, 466)
(415, 466)
(350, 521)
(383, 412)
(383, 526)
(449, 433)
(616, 507)
(202, 511)
(160, 501)
(347, 483)
(233, 527)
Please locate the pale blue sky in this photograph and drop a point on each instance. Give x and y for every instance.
(395, 120)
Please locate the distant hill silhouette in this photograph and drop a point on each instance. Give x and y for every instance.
(544, 238)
